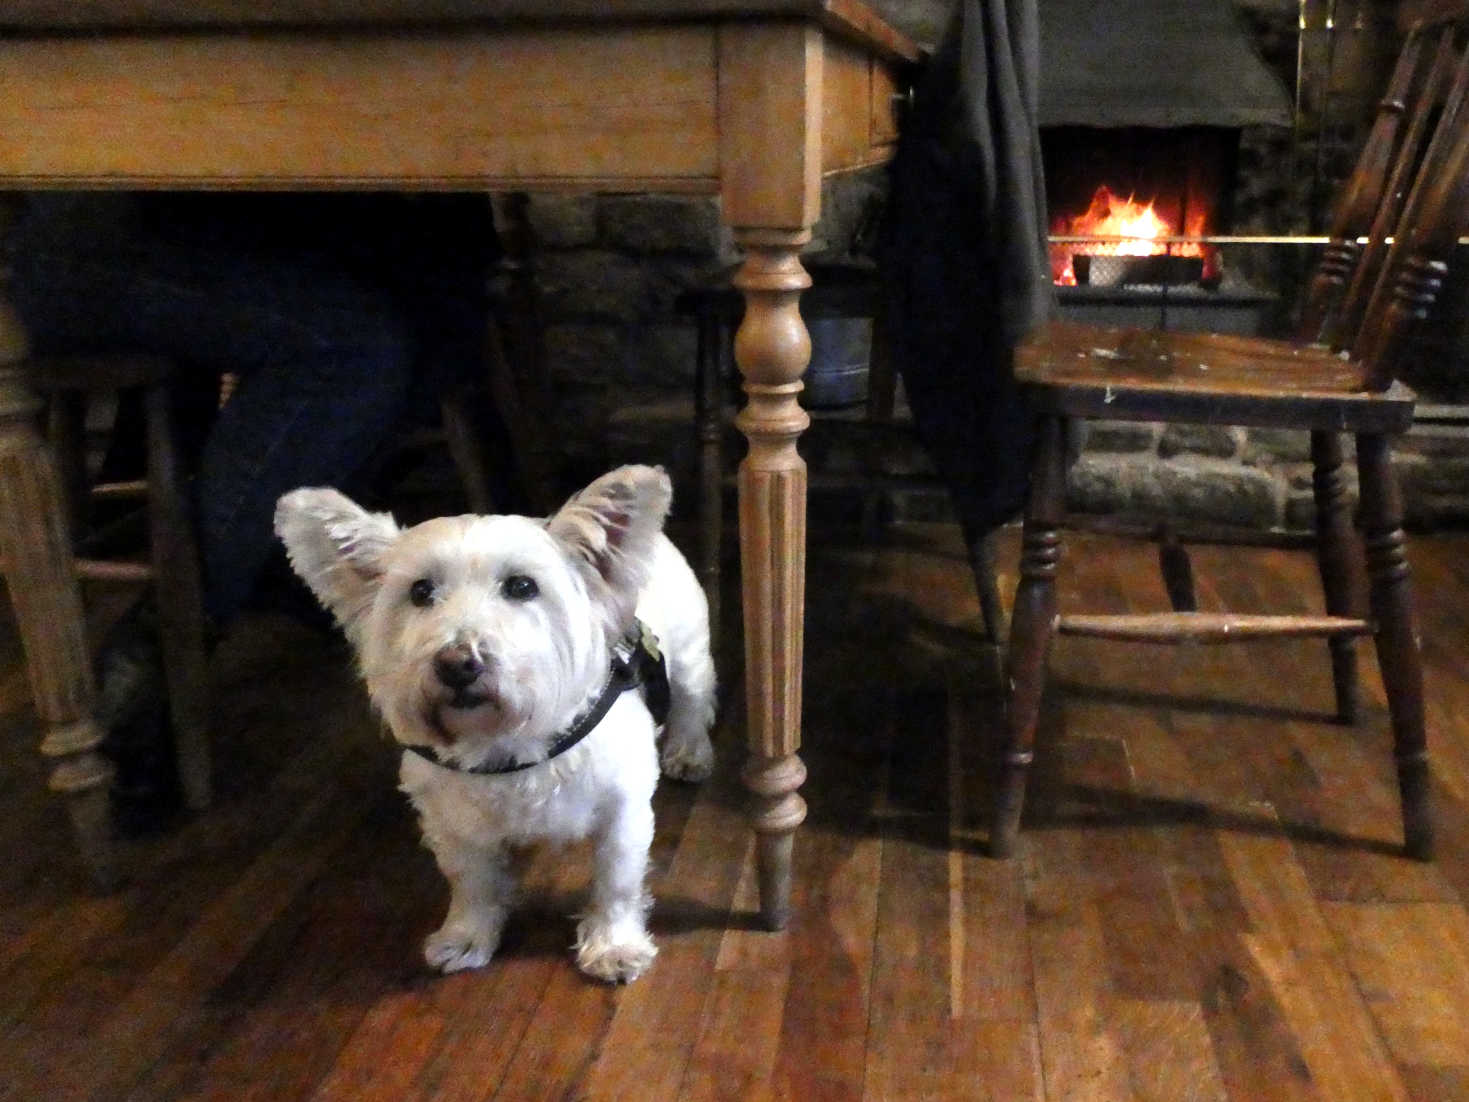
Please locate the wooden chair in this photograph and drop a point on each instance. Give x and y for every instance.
(1411, 184)
(838, 291)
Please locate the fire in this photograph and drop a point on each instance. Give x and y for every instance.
(1110, 216)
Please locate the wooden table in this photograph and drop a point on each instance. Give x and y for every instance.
(753, 101)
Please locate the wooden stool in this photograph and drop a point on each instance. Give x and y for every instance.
(172, 564)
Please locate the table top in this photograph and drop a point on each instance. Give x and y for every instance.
(848, 18)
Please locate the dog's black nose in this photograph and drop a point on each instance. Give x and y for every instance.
(458, 666)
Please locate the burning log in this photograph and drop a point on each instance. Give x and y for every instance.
(1129, 271)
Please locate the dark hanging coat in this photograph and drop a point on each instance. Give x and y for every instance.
(965, 253)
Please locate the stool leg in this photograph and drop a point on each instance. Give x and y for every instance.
(1032, 624)
(709, 417)
(1396, 635)
(46, 599)
(1340, 559)
(67, 431)
(179, 595)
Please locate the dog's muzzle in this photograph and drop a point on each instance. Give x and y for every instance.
(458, 668)
(637, 663)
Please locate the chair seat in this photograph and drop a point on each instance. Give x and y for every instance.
(1082, 370)
(98, 373)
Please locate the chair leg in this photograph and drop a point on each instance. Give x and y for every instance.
(1339, 556)
(709, 418)
(179, 594)
(982, 565)
(1396, 635)
(882, 376)
(515, 358)
(466, 449)
(1032, 625)
(525, 424)
(882, 387)
(1177, 570)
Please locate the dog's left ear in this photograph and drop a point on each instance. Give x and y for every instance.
(611, 529)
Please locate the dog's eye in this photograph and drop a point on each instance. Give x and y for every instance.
(520, 587)
(421, 592)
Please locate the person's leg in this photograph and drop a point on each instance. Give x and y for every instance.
(323, 359)
(312, 410)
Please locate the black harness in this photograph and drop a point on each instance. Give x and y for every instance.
(636, 662)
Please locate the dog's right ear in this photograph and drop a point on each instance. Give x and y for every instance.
(336, 547)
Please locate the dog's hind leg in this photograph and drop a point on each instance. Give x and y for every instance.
(685, 752)
(612, 941)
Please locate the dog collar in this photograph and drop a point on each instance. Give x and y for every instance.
(636, 661)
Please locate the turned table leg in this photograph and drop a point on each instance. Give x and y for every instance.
(770, 118)
(772, 348)
(44, 595)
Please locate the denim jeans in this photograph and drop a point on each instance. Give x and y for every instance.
(323, 355)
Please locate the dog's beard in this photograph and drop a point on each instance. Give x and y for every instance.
(464, 714)
(422, 712)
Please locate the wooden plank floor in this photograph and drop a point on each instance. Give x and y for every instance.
(1206, 904)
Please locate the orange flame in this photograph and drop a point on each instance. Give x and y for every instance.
(1109, 216)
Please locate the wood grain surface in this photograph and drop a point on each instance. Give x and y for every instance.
(1207, 902)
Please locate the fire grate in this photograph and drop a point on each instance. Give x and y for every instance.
(1139, 271)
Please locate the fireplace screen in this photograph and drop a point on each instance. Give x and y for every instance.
(1144, 185)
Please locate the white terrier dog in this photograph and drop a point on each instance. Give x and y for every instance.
(498, 649)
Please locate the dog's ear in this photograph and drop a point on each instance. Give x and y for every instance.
(611, 529)
(336, 547)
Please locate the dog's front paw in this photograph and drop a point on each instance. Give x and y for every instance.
(687, 758)
(457, 945)
(617, 952)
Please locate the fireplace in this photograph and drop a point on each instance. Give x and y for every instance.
(1144, 184)
(1141, 109)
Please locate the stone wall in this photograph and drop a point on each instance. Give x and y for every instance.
(609, 270)
(1251, 478)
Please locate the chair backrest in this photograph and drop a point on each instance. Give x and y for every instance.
(1399, 216)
